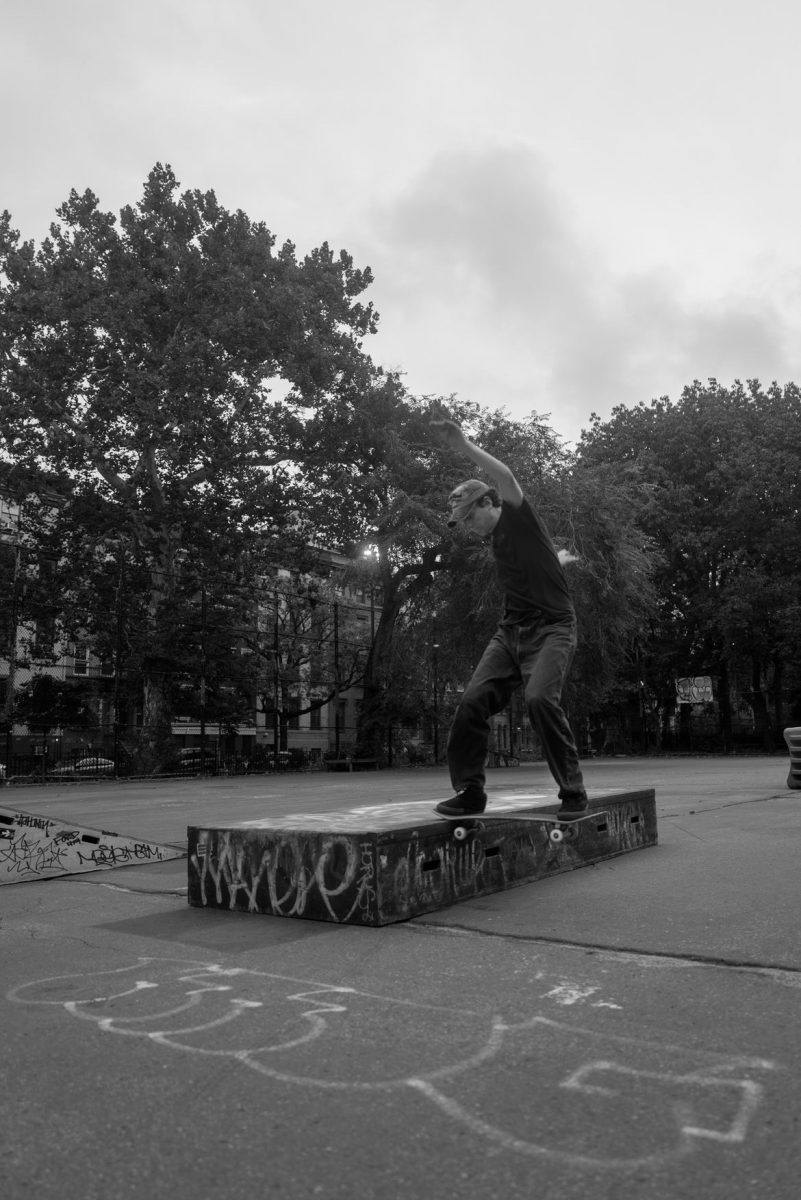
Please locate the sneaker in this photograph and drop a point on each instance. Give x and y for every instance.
(572, 809)
(468, 803)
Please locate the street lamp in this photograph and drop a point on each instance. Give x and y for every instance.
(118, 644)
(435, 663)
(203, 675)
(181, 557)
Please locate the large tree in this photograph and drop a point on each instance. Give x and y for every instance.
(162, 367)
(374, 489)
(723, 464)
(307, 646)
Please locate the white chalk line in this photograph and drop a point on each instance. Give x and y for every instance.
(325, 1001)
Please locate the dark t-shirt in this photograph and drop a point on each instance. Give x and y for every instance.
(529, 570)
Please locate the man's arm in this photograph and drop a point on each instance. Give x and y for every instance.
(508, 487)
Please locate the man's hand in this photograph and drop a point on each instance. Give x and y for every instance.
(450, 433)
(508, 487)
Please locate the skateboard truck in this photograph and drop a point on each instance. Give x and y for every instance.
(561, 830)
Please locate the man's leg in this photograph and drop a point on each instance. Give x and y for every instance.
(546, 652)
(487, 693)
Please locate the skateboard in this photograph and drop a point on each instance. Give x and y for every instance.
(561, 831)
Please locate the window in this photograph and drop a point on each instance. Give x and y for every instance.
(44, 636)
(44, 610)
(9, 516)
(80, 660)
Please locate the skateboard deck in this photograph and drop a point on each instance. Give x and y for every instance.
(562, 830)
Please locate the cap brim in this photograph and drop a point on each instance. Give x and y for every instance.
(459, 514)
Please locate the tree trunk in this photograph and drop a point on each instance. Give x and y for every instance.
(778, 700)
(396, 590)
(156, 731)
(759, 705)
(372, 719)
(724, 707)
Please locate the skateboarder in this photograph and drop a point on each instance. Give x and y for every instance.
(534, 643)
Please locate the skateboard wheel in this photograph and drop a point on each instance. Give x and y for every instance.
(460, 833)
(557, 835)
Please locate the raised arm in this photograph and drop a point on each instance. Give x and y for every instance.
(508, 487)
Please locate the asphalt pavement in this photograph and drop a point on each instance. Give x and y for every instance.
(629, 1030)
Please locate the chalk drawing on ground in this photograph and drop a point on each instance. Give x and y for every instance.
(313, 1034)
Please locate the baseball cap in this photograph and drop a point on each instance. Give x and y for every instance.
(462, 499)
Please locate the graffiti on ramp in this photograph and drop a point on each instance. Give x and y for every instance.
(34, 847)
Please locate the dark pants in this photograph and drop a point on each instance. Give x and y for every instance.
(539, 656)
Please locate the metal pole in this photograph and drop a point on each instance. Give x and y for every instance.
(203, 676)
(12, 660)
(435, 648)
(336, 680)
(276, 653)
(117, 664)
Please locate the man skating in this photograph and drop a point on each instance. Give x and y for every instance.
(534, 643)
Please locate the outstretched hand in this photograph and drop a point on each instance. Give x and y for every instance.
(450, 433)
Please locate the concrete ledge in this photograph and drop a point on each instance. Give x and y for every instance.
(379, 865)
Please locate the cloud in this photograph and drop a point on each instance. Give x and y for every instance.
(493, 219)
(487, 285)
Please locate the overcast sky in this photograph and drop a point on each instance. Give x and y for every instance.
(567, 204)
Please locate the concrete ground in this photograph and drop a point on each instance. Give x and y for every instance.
(628, 1030)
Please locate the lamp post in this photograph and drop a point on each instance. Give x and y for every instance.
(337, 730)
(203, 675)
(13, 633)
(435, 664)
(118, 655)
(182, 557)
(276, 692)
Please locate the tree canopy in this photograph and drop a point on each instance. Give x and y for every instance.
(160, 368)
(723, 469)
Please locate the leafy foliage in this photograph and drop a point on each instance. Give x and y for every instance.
(160, 370)
(187, 406)
(435, 587)
(45, 703)
(724, 508)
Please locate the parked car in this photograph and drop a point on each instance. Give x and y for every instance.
(190, 759)
(94, 766)
(83, 768)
